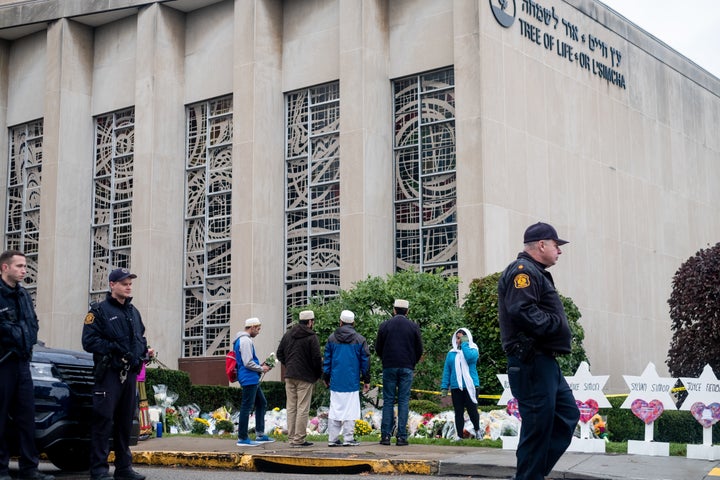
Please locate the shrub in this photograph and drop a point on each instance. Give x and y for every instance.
(694, 305)
(433, 305)
(425, 406)
(175, 380)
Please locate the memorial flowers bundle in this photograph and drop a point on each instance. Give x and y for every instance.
(270, 360)
(362, 428)
(200, 426)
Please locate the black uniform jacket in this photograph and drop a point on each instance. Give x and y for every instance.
(18, 322)
(115, 329)
(529, 303)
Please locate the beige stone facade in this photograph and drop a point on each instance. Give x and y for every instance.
(572, 115)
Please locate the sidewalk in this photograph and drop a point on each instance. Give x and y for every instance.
(371, 457)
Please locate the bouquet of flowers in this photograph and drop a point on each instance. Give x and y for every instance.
(270, 360)
(362, 428)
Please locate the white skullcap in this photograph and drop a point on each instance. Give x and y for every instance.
(251, 322)
(347, 316)
(399, 303)
(307, 315)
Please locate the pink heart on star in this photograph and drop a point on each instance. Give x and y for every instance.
(647, 412)
(706, 415)
(588, 409)
(513, 409)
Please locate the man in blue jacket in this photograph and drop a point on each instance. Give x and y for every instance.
(347, 360)
(249, 371)
(18, 335)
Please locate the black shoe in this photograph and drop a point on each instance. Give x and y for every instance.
(385, 441)
(401, 442)
(129, 475)
(36, 475)
(102, 476)
(304, 444)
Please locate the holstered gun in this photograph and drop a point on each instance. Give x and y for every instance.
(101, 367)
(524, 348)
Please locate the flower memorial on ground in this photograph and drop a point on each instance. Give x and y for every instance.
(189, 419)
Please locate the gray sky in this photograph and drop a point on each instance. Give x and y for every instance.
(690, 27)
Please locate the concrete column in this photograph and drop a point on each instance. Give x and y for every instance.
(470, 198)
(4, 83)
(66, 182)
(159, 169)
(258, 257)
(367, 246)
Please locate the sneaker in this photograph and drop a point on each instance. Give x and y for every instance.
(304, 444)
(479, 435)
(456, 439)
(401, 442)
(129, 475)
(385, 440)
(336, 443)
(264, 439)
(246, 442)
(351, 443)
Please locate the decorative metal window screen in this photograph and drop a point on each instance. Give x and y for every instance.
(425, 181)
(208, 196)
(22, 221)
(112, 197)
(312, 195)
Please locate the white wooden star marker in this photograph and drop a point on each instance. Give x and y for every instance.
(705, 389)
(586, 386)
(648, 387)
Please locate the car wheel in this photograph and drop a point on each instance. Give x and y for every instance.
(71, 458)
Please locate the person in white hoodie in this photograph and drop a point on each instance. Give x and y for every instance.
(460, 379)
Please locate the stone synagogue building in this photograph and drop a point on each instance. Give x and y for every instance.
(242, 156)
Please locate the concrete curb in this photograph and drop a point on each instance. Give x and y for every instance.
(265, 462)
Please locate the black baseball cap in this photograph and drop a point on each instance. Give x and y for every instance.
(542, 231)
(120, 274)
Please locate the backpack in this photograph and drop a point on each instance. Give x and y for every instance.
(231, 366)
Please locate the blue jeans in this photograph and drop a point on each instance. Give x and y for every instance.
(252, 396)
(396, 388)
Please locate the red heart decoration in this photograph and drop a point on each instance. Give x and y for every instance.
(588, 409)
(647, 412)
(513, 409)
(706, 415)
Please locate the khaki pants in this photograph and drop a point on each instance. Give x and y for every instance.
(299, 394)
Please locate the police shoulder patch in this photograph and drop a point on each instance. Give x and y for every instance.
(521, 280)
(89, 318)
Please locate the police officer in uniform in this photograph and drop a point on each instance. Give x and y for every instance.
(114, 333)
(18, 334)
(534, 330)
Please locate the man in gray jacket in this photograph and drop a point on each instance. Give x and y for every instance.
(299, 351)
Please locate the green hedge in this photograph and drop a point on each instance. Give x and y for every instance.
(207, 397)
(672, 426)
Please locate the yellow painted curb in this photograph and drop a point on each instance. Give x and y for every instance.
(239, 461)
(715, 472)
(192, 459)
(418, 467)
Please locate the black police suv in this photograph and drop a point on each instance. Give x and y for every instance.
(63, 381)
